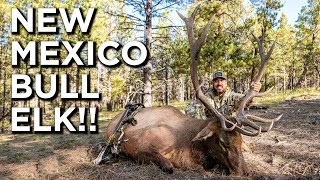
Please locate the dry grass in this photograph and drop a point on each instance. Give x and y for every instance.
(290, 151)
(288, 95)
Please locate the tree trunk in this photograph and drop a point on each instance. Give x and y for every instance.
(166, 88)
(317, 69)
(305, 82)
(275, 84)
(253, 69)
(284, 79)
(190, 90)
(265, 82)
(109, 98)
(98, 85)
(187, 89)
(181, 88)
(4, 96)
(4, 91)
(78, 84)
(305, 69)
(235, 85)
(318, 81)
(55, 101)
(314, 80)
(1, 72)
(147, 97)
(63, 103)
(25, 102)
(40, 72)
(130, 95)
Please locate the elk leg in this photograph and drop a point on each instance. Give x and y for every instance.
(156, 158)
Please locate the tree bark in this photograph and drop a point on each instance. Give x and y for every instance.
(147, 97)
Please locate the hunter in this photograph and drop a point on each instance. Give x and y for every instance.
(221, 97)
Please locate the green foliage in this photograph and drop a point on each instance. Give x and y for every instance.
(308, 33)
(267, 11)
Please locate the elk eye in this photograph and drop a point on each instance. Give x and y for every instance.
(222, 144)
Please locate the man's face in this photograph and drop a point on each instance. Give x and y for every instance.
(220, 85)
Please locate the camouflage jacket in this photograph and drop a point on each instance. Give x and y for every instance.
(225, 104)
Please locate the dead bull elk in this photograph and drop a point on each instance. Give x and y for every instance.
(170, 139)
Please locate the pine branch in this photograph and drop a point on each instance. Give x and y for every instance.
(166, 7)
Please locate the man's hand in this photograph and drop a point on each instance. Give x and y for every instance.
(256, 86)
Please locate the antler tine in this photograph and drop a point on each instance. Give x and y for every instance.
(246, 132)
(182, 16)
(259, 119)
(266, 129)
(264, 61)
(204, 32)
(195, 47)
(189, 25)
(250, 133)
(193, 15)
(261, 47)
(259, 130)
(260, 94)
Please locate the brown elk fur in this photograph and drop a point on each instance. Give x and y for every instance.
(167, 137)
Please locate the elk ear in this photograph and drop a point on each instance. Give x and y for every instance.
(205, 133)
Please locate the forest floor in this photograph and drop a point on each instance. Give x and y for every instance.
(290, 151)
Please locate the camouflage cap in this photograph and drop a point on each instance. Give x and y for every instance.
(219, 74)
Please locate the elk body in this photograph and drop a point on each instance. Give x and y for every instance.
(171, 139)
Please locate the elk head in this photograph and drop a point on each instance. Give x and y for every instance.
(223, 147)
(242, 118)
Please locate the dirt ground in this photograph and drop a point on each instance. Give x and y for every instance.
(290, 151)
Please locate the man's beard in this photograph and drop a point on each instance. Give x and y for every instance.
(220, 91)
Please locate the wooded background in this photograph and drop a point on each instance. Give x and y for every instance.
(229, 46)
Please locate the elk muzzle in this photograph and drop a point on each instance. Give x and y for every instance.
(236, 164)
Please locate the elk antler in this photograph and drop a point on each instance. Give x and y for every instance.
(195, 47)
(242, 119)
